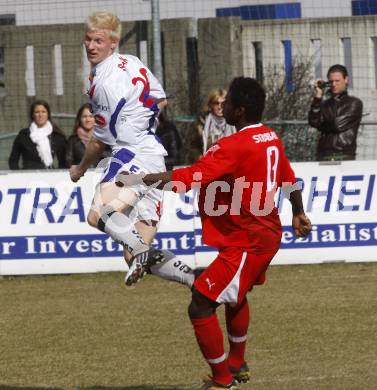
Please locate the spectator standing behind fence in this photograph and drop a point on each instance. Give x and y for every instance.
(81, 135)
(337, 117)
(171, 140)
(38, 144)
(211, 125)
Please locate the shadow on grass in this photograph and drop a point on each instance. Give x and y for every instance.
(8, 387)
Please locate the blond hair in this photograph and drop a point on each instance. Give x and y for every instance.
(214, 95)
(103, 20)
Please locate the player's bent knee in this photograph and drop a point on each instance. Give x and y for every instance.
(201, 306)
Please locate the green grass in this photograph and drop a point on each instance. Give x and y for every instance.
(313, 327)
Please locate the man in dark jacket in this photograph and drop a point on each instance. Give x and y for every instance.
(337, 118)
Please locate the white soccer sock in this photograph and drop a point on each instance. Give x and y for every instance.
(123, 231)
(174, 270)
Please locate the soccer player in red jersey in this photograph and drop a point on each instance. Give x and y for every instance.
(238, 178)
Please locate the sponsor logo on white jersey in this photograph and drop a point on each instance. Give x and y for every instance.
(101, 107)
(100, 120)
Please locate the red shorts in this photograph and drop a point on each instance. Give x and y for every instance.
(232, 274)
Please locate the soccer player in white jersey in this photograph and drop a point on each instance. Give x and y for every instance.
(126, 99)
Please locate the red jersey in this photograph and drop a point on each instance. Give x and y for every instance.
(238, 178)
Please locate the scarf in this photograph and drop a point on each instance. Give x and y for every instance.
(84, 135)
(215, 127)
(39, 135)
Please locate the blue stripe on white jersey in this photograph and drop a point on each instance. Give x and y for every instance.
(114, 117)
(121, 157)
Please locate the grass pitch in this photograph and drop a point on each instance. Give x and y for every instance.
(313, 327)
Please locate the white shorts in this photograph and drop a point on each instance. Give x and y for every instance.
(149, 204)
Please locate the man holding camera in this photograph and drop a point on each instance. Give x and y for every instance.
(337, 118)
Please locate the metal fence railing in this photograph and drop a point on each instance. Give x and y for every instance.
(299, 138)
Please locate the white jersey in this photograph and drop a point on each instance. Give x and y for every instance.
(124, 94)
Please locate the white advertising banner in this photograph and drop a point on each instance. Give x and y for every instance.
(43, 225)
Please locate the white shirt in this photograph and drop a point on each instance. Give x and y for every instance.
(123, 95)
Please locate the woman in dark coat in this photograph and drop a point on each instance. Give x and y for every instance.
(38, 145)
(81, 134)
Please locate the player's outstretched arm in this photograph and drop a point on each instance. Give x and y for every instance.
(157, 180)
(93, 152)
(162, 178)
